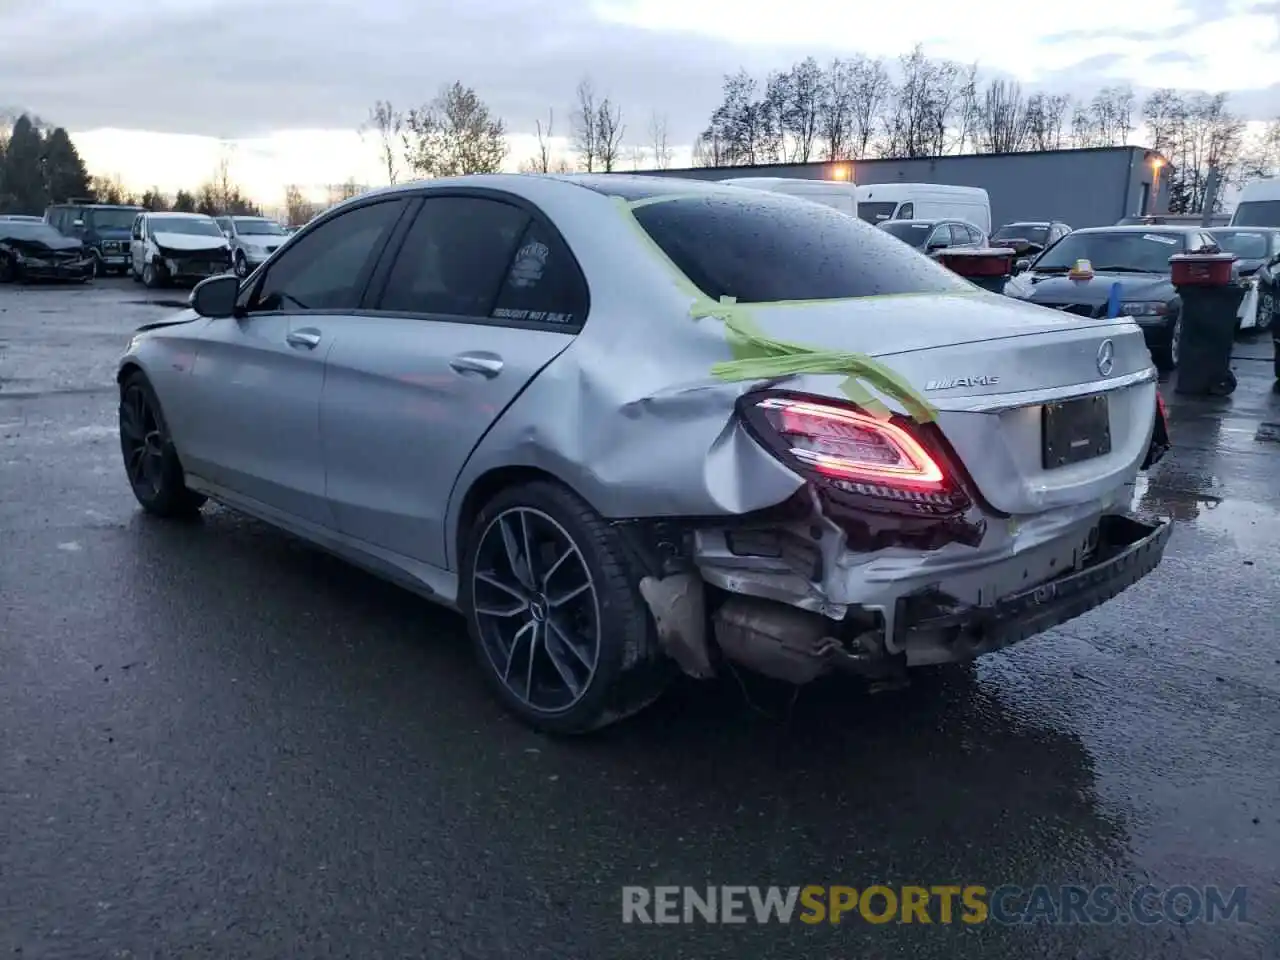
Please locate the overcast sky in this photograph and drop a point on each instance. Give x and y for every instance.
(291, 79)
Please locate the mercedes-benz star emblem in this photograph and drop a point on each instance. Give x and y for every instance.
(1106, 357)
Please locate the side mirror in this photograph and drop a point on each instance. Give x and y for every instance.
(1021, 266)
(215, 297)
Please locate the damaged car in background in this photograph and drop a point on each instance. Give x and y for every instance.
(633, 426)
(36, 251)
(170, 248)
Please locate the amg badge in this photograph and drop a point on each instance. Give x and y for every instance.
(948, 383)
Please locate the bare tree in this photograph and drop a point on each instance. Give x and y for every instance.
(870, 95)
(922, 106)
(658, 141)
(636, 156)
(540, 162)
(835, 117)
(338, 192)
(968, 111)
(609, 131)
(1003, 125)
(801, 97)
(387, 124)
(584, 123)
(298, 209)
(1046, 117)
(1111, 112)
(454, 134)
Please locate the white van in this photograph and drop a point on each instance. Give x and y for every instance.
(839, 194)
(925, 201)
(1259, 204)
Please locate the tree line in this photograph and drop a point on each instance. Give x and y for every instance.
(40, 165)
(850, 109)
(861, 107)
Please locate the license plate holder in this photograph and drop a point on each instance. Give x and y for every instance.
(1075, 430)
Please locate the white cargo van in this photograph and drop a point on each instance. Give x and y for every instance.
(840, 194)
(924, 201)
(1259, 204)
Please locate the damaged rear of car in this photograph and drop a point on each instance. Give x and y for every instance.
(818, 450)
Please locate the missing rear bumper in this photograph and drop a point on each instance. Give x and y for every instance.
(1127, 550)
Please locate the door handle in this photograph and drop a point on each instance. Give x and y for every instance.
(487, 364)
(308, 338)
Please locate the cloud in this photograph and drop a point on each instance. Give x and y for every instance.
(1171, 56)
(243, 69)
(240, 68)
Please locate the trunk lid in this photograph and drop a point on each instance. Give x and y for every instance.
(989, 364)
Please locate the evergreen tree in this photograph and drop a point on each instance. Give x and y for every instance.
(24, 173)
(65, 173)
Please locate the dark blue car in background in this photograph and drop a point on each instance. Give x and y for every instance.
(104, 229)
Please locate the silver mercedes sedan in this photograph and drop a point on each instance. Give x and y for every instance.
(635, 427)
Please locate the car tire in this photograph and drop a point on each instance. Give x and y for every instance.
(150, 276)
(150, 459)
(1166, 354)
(584, 590)
(241, 265)
(1268, 307)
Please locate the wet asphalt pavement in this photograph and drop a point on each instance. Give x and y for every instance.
(216, 742)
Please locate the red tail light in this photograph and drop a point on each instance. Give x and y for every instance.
(855, 453)
(1164, 414)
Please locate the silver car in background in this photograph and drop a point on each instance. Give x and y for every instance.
(618, 423)
(252, 239)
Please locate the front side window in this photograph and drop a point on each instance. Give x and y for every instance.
(328, 268)
(763, 249)
(454, 257)
(111, 219)
(907, 211)
(877, 212)
(960, 235)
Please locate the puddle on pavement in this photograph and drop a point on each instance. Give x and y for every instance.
(1250, 525)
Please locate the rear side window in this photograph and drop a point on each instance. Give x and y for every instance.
(544, 284)
(455, 256)
(767, 249)
(960, 234)
(1257, 213)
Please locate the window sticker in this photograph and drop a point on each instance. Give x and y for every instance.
(531, 261)
(1169, 241)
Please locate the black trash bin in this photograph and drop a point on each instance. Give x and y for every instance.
(1210, 300)
(988, 267)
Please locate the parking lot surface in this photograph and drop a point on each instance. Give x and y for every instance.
(220, 743)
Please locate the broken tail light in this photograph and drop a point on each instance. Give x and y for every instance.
(885, 464)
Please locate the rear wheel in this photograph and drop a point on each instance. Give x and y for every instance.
(150, 460)
(561, 632)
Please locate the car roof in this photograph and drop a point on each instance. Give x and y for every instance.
(176, 214)
(1241, 229)
(1143, 228)
(928, 222)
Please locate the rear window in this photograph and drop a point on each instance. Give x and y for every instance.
(1022, 231)
(913, 233)
(772, 248)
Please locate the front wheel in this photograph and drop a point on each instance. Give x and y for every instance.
(561, 632)
(150, 460)
(241, 265)
(1166, 355)
(150, 276)
(1268, 307)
